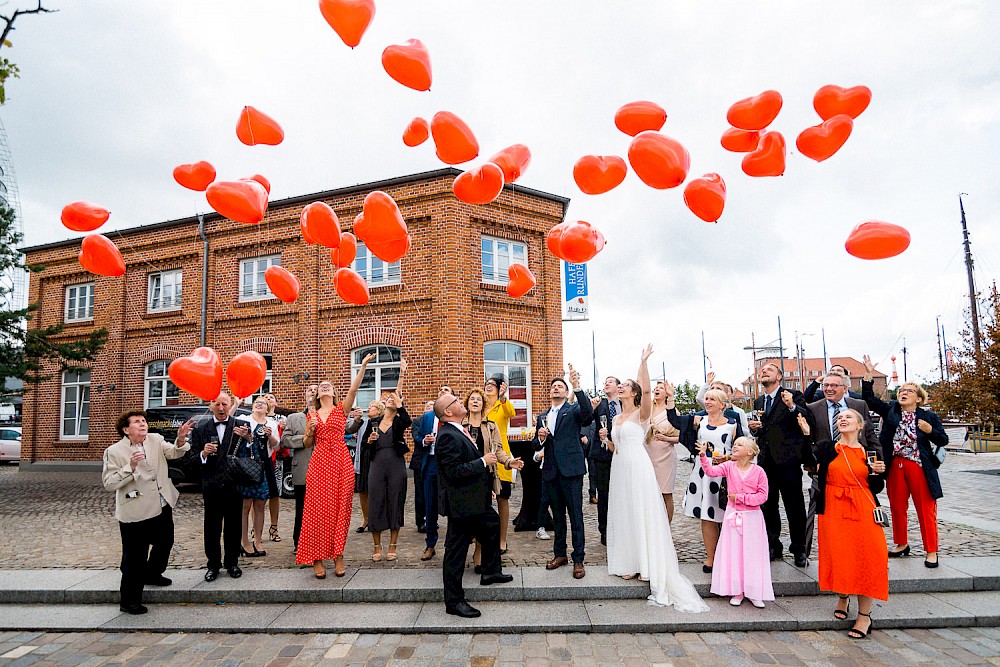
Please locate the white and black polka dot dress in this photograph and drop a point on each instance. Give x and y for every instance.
(701, 500)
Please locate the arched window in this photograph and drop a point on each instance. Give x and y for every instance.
(160, 391)
(382, 373)
(514, 361)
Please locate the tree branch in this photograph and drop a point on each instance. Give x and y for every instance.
(9, 21)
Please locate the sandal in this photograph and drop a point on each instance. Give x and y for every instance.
(856, 632)
(391, 553)
(319, 570)
(273, 533)
(339, 567)
(841, 614)
(377, 553)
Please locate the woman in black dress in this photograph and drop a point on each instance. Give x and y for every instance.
(387, 472)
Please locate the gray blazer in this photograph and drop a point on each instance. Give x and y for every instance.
(821, 413)
(291, 438)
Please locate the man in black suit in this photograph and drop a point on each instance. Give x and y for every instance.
(600, 456)
(784, 450)
(836, 398)
(558, 433)
(211, 440)
(466, 498)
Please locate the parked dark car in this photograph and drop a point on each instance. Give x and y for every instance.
(187, 469)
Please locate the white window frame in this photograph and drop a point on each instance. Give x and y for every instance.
(503, 253)
(166, 385)
(265, 388)
(88, 293)
(171, 279)
(259, 289)
(491, 366)
(73, 380)
(377, 366)
(375, 271)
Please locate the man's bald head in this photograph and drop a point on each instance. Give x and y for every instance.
(448, 408)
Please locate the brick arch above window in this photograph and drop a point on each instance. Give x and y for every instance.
(380, 335)
(507, 331)
(159, 352)
(264, 345)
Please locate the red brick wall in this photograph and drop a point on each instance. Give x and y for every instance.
(439, 316)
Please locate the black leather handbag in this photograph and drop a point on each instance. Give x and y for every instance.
(238, 471)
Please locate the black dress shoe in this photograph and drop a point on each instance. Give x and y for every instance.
(158, 580)
(133, 609)
(212, 574)
(421, 529)
(801, 560)
(478, 569)
(776, 555)
(905, 551)
(498, 578)
(707, 569)
(463, 609)
(234, 571)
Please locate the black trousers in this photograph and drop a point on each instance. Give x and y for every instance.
(145, 550)
(486, 529)
(300, 505)
(785, 479)
(601, 470)
(566, 494)
(223, 520)
(419, 505)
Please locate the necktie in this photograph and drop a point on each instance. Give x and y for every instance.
(613, 409)
(834, 430)
(767, 404)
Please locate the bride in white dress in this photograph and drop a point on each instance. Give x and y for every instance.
(639, 540)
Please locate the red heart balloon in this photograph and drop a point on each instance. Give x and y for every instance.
(408, 64)
(597, 174)
(380, 219)
(513, 160)
(831, 101)
(740, 141)
(196, 176)
(282, 283)
(199, 374)
(246, 373)
(479, 186)
(389, 250)
(260, 179)
(706, 197)
(768, 159)
(659, 161)
(522, 280)
(345, 254)
(636, 117)
(350, 286)
(99, 255)
(453, 140)
(755, 113)
(575, 242)
(416, 132)
(320, 225)
(553, 239)
(256, 127)
(877, 240)
(349, 18)
(821, 141)
(242, 201)
(82, 216)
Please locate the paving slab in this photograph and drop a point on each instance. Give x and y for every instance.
(103, 588)
(57, 618)
(475, 592)
(508, 617)
(910, 575)
(274, 586)
(40, 586)
(542, 584)
(401, 585)
(985, 569)
(348, 617)
(639, 616)
(918, 610)
(984, 605)
(198, 618)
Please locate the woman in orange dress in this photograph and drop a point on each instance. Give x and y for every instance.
(326, 517)
(852, 555)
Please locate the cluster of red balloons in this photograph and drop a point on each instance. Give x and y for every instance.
(200, 373)
(97, 253)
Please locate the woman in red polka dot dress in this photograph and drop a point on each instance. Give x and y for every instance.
(326, 517)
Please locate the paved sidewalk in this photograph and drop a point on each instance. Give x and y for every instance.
(58, 520)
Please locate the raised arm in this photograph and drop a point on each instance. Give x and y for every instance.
(877, 405)
(356, 383)
(646, 403)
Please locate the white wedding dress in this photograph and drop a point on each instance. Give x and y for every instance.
(639, 538)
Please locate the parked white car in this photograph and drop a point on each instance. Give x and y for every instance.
(10, 443)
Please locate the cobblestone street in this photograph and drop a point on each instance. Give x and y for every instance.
(898, 648)
(65, 520)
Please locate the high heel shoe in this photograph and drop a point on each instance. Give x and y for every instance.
(858, 633)
(841, 614)
(931, 563)
(319, 570)
(273, 533)
(361, 529)
(377, 553)
(391, 552)
(905, 551)
(339, 567)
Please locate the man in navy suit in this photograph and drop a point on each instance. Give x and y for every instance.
(429, 424)
(600, 456)
(557, 432)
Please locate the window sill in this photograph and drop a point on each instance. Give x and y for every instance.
(256, 299)
(163, 313)
(495, 286)
(88, 320)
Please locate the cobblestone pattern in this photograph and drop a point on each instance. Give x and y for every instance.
(65, 520)
(898, 648)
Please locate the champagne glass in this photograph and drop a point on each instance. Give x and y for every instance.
(872, 455)
(604, 425)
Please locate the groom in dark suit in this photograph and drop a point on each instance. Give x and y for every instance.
(557, 432)
(466, 485)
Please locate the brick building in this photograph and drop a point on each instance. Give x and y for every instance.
(443, 308)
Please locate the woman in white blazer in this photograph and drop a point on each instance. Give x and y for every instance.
(135, 468)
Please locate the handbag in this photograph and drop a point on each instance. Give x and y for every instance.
(878, 514)
(238, 471)
(940, 453)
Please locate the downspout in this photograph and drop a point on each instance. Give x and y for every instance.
(204, 278)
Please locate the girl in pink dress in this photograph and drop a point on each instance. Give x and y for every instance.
(742, 566)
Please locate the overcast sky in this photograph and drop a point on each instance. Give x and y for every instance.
(113, 95)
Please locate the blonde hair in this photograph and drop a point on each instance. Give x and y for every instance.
(378, 404)
(921, 392)
(718, 395)
(748, 442)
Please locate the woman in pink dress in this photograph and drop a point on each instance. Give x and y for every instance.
(326, 517)
(742, 566)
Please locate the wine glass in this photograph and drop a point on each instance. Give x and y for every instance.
(604, 425)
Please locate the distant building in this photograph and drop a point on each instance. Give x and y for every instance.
(812, 371)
